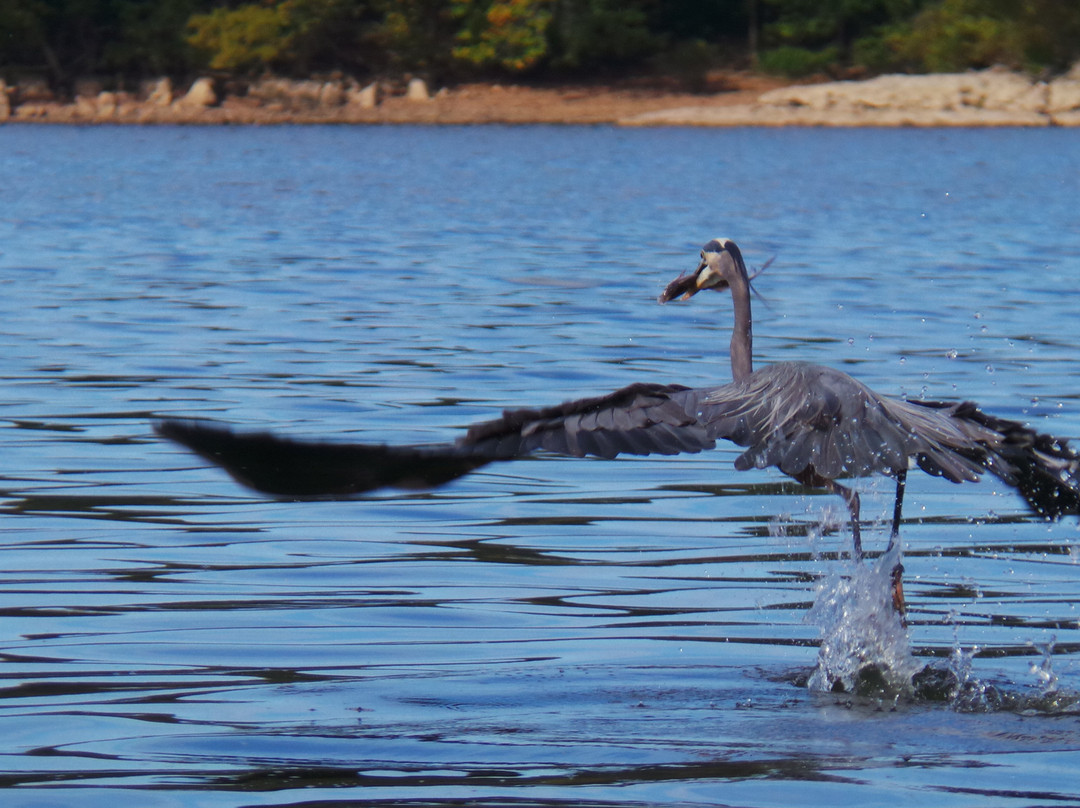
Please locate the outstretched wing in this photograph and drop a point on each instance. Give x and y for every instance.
(639, 419)
(793, 416)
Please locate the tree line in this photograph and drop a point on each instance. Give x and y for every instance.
(446, 40)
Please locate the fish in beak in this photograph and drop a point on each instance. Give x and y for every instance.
(684, 287)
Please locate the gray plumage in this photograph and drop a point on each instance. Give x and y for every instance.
(813, 423)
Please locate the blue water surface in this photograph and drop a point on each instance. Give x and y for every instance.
(545, 632)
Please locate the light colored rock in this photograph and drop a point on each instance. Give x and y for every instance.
(836, 115)
(26, 112)
(1070, 118)
(33, 90)
(126, 105)
(1063, 95)
(986, 89)
(994, 97)
(268, 89)
(303, 94)
(158, 93)
(992, 89)
(417, 90)
(201, 94)
(332, 94)
(364, 98)
(85, 107)
(105, 104)
(288, 94)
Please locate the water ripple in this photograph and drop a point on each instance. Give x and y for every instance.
(552, 631)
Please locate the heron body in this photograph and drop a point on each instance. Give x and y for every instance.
(813, 423)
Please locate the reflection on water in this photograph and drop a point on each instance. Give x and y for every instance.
(550, 631)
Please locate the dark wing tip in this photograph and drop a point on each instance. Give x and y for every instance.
(298, 469)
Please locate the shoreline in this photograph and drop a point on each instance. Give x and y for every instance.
(993, 97)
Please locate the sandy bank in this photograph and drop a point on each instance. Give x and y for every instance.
(983, 98)
(280, 101)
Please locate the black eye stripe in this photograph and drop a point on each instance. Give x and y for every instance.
(713, 246)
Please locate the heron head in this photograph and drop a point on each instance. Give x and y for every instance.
(720, 263)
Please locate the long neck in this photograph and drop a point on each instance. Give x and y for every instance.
(742, 336)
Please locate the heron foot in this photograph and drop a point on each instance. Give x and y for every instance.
(898, 602)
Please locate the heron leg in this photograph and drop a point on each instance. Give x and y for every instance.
(901, 479)
(898, 571)
(851, 499)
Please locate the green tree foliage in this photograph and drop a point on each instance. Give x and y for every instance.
(811, 36)
(69, 39)
(23, 41)
(244, 38)
(128, 39)
(508, 33)
(592, 34)
(791, 60)
(291, 35)
(1050, 31)
(63, 37)
(954, 35)
(150, 38)
(959, 34)
(416, 35)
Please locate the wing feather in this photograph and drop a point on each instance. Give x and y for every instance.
(793, 416)
(623, 422)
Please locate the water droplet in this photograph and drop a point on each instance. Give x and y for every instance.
(859, 627)
(989, 368)
(851, 340)
(952, 354)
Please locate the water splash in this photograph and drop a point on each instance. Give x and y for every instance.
(864, 641)
(968, 693)
(1045, 677)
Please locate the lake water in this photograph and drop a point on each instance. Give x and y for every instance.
(550, 631)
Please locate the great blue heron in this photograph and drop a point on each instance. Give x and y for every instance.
(814, 423)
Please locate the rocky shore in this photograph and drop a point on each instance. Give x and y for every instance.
(993, 97)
